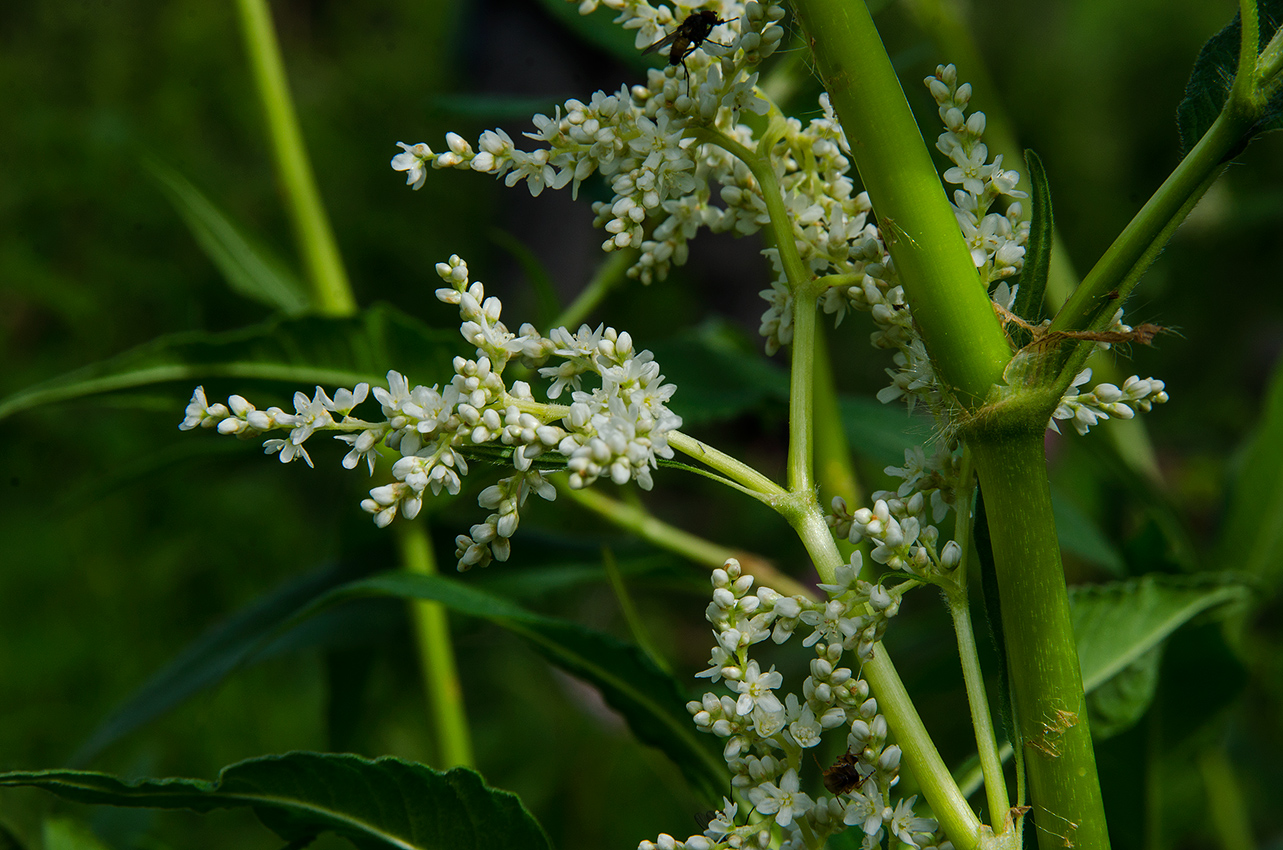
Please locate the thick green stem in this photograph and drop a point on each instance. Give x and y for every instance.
(950, 305)
(436, 655)
(331, 293)
(1046, 683)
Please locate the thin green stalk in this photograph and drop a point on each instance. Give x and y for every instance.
(919, 753)
(981, 720)
(956, 598)
(636, 625)
(1119, 269)
(733, 468)
(650, 528)
(331, 292)
(608, 276)
(436, 655)
(1230, 817)
(1046, 683)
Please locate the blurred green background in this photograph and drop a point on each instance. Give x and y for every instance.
(124, 540)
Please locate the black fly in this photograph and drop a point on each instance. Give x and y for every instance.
(687, 38)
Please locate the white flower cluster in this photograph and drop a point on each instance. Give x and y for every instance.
(997, 240)
(766, 738)
(617, 429)
(1106, 400)
(640, 139)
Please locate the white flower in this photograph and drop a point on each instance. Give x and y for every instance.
(904, 825)
(785, 800)
(756, 689)
(412, 160)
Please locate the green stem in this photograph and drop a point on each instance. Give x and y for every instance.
(981, 720)
(436, 656)
(1118, 270)
(650, 528)
(636, 625)
(919, 753)
(1230, 817)
(608, 276)
(949, 302)
(734, 469)
(331, 293)
(1046, 683)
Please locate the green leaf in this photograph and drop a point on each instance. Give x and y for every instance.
(719, 374)
(1213, 76)
(651, 701)
(1118, 703)
(243, 638)
(9, 841)
(547, 304)
(298, 352)
(1033, 278)
(880, 431)
(1252, 536)
(250, 269)
(67, 834)
(1120, 628)
(374, 804)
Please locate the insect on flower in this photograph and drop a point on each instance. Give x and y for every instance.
(844, 776)
(687, 38)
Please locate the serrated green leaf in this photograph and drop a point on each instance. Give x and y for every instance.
(1033, 277)
(1213, 76)
(249, 268)
(1116, 624)
(651, 701)
(382, 803)
(299, 352)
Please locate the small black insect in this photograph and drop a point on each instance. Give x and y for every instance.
(687, 38)
(844, 776)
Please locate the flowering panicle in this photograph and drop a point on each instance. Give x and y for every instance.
(640, 139)
(1106, 400)
(997, 240)
(767, 738)
(617, 429)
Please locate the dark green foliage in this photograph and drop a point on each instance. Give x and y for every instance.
(1213, 77)
(1042, 228)
(386, 802)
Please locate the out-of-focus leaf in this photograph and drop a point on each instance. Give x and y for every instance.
(546, 301)
(598, 30)
(650, 700)
(374, 804)
(1252, 537)
(67, 834)
(250, 269)
(881, 432)
(1119, 702)
(1033, 277)
(718, 374)
(301, 352)
(1078, 534)
(229, 646)
(1213, 76)
(9, 841)
(1120, 629)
